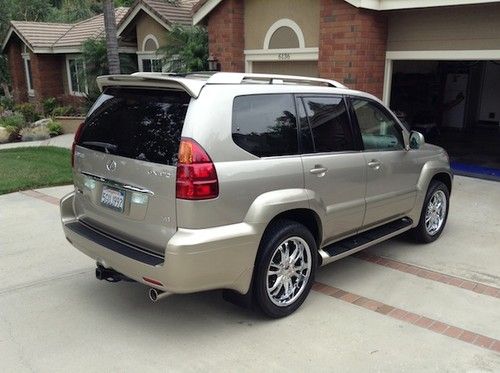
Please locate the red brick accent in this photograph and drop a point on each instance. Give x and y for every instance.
(353, 43)
(17, 73)
(410, 317)
(226, 35)
(431, 275)
(41, 196)
(47, 70)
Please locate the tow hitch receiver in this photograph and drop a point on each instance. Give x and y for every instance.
(110, 275)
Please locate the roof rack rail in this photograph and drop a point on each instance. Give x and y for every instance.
(248, 78)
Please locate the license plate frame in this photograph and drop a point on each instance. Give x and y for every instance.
(113, 199)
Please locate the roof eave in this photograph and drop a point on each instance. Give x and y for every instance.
(132, 13)
(204, 10)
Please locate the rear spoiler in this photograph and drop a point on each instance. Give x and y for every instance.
(191, 86)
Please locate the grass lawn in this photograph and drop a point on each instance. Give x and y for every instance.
(34, 167)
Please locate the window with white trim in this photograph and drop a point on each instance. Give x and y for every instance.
(76, 76)
(27, 69)
(148, 59)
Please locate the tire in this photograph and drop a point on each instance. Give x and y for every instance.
(279, 295)
(430, 232)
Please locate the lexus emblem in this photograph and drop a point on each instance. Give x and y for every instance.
(111, 165)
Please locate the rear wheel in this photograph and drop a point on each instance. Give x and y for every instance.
(434, 213)
(285, 268)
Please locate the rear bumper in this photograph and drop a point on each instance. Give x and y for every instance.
(194, 260)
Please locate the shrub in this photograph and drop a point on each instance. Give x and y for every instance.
(16, 120)
(7, 103)
(55, 129)
(37, 133)
(49, 105)
(61, 111)
(29, 111)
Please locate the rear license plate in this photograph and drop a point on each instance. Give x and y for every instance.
(113, 198)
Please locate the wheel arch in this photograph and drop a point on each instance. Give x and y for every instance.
(445, 178)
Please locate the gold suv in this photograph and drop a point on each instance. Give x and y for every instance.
(244, 182)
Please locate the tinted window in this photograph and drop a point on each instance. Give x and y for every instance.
(329, 123)
(379, 130)
(265, 125)
(139, 124)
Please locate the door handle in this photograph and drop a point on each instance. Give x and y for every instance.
(375, 164)
(318, 170)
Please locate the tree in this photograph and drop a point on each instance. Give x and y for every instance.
(4, 75)
(94, 54)
(186, 49)
(111, 39)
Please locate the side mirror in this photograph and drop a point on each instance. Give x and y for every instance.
(416, 140)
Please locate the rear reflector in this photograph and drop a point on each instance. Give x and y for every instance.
(151, 281)
(196, 174)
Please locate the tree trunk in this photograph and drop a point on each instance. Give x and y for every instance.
(6, 91)
(111, 39)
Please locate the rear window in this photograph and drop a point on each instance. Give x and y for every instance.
(140, 124)
(265, 125)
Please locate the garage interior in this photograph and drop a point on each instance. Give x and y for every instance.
(456, 105)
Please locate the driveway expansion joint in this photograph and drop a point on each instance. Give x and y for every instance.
(429, 274)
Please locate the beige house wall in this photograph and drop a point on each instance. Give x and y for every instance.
(261, 14)
(447, 28)
(301, 68)
(145, 25)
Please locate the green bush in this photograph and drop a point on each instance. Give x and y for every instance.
(49, 105)
(15, 121)
(55, 129)
(61, 111)
(7, 103)
(29, 112)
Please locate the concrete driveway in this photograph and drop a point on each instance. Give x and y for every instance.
(397, 307)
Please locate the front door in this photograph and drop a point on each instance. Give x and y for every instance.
(392, 174)
(334, 168)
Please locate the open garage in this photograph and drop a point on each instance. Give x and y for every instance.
(443, 78)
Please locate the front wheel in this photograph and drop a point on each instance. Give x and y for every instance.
(285, 268)
(434, 213)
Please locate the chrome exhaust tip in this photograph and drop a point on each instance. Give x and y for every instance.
(155, 295)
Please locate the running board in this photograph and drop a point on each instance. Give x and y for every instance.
(361, 241)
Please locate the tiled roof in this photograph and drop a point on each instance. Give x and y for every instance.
(90, 28)
(170, 12)
(40, 34)
(45, 35)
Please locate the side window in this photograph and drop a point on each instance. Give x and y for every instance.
(265, 125)
(329, 124)
(379, 131)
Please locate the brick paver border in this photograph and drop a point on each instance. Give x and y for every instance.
(410, 317)
(41, 196)
(431, 275)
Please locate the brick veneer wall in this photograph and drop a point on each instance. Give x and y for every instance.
(17, 74)
(227, 35)
(47, 70)
(353, 43)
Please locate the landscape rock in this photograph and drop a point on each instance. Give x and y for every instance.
(4, 135)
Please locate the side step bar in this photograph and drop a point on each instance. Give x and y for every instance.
(351, 245)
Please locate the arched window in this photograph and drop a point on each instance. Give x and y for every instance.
(150, 44)
(284, 33)
(148, 59)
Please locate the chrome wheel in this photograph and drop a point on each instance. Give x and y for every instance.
(288, 271)
(435, 213)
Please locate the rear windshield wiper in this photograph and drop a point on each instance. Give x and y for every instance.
(103, 145)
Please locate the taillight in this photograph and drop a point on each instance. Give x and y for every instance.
(196, 175)
(78, 134)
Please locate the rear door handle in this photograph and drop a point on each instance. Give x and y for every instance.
(375, 164)
(318, 170)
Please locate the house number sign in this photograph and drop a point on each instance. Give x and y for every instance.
(283, 56)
